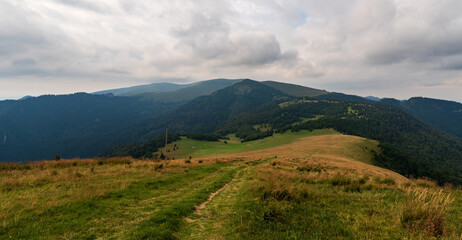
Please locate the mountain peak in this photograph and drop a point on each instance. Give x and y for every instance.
(295, 90)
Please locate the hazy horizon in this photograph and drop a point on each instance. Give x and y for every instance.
(66, 93)
(382, 48)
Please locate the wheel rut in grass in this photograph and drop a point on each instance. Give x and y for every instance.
(200, 207)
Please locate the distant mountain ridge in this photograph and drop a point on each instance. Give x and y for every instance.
(83, 125)
(295, 90)
(441, 114)
(170, 92)
(148, 88)
(409, 146)
(206, 113)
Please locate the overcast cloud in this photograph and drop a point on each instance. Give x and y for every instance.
(394, 48)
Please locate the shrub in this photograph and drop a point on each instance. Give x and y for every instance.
(100, 162)
(25, 167)
(426, 183)
(386, 181)
(355, 187)
(309, 169)
(127, 161)
(363, 180)
(389, 181)
(187, 161)
(340, 180)
(158, 166)
(273, 213)
(200, 161)
(424, 211)
(57, 158)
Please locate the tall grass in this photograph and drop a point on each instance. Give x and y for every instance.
(425, 211)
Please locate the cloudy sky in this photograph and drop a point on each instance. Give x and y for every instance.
(393, 48)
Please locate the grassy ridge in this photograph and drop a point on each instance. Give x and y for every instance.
(318, 187)
(275, 202)
(190, 147)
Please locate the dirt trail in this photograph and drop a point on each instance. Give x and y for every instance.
(204, 204)
(212, 195)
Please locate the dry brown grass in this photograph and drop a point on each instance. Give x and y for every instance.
(425, 211)
(56, 182)
(48, 184)
(335, 153)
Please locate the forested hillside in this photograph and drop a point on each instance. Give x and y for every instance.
(252, 111)
(77, 125)
(408, 145)
(206, 113)
(441, 114)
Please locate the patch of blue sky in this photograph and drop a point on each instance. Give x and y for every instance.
(301, 20)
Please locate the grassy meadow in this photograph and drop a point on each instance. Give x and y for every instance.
(307, 185)
(189, 147)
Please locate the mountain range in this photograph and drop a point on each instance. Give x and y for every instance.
(424, 133)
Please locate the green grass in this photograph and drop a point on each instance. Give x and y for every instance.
(143, 203)
(265, 203)
(285, 198)
(194, 148)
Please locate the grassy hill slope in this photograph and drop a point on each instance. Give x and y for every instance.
(295, 90)
(189, 147)
(309, 187)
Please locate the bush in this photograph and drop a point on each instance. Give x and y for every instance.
(158, 166)
(355, 187)
(203, 137)
(339, 180)
(425, 211)
(309, 169)
(386, 181)
(389, 181)
(187, 161)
